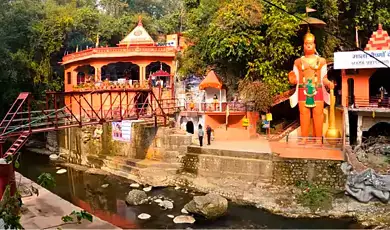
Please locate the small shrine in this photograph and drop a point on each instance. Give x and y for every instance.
(230, 119)
(213, 93)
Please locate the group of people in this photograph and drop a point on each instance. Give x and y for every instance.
(201, 134)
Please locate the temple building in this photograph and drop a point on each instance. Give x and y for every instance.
(135, 59)
(365, 86)
(137, 62)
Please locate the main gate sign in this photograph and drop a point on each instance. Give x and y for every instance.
(361, 60)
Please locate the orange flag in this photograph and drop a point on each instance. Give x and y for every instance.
(309, 10)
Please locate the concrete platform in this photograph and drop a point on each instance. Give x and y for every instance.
(260, 145)
(294, 150)
(263, 146)
(46, 210)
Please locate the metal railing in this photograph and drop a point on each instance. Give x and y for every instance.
(104, 50)
(218, 106)
(370, 102)
(319, 142)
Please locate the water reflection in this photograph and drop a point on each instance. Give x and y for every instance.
(86, 191)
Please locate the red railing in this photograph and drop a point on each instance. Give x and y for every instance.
(319, 142)
(216, 107)
(119, 50)
(371, 102)
(77, 109)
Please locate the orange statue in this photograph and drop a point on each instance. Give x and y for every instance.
(310, 76)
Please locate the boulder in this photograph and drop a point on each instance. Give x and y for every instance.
(166, 204)
(184, 220)
(210, 206)
(136, 197)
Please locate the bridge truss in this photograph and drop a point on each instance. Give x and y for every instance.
(76, 109)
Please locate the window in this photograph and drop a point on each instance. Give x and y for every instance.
(69, 78)
(351, 71)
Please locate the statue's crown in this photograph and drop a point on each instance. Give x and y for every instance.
(309, 37)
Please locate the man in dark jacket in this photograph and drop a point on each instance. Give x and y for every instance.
(208, 132)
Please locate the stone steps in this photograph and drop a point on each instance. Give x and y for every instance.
(141, 164)
(122, 167)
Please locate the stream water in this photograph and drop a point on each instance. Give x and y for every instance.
(85, 190)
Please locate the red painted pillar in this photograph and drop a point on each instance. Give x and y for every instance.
(7, 177)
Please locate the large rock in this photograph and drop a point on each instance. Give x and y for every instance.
(136, 197)
(210, 206)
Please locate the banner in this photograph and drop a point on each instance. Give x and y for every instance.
(361, 60)
(121, 131)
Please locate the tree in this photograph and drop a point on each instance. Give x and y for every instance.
(256, 92)
(243, 38)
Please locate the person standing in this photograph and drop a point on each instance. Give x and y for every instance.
(208, 132)
(200, 135)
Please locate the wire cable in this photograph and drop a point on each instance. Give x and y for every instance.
(341, 39)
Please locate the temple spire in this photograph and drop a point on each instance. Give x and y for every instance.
(140, 20)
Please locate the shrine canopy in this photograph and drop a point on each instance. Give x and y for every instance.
(138, 37)
(378, 46)
(161, 73)
(211, 81)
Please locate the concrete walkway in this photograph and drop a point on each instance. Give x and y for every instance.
(260, 145)
(46, 210)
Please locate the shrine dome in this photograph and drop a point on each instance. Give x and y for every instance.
(379, 40)
(212, 81)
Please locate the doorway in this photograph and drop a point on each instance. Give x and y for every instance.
(351, 91)
(190, 127)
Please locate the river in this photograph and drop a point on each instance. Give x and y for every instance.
(85, 190)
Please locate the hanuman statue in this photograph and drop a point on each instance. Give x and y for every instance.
(310, 76)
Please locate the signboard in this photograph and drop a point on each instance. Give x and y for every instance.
(268, 116)
(245, 122)
(361, 60)
(121, 131)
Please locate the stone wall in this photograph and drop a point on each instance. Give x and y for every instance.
(83, 146)
(256, 167)
(326, 173)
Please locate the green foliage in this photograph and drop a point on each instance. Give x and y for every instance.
(9, 209)
(82, 215)
(46, 180)
(314, 197)
(256, 92)
(243, 38)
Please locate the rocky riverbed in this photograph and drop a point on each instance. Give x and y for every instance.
(278, 200)
(104, 195)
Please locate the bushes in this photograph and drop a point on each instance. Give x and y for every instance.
(315, 197)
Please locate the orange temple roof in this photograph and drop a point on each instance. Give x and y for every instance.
(379, 40)
(138, 36)
(211, 80)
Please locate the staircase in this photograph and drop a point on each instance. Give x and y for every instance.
(12, 112)
(18, 144)
(288, 129)
(132, 168)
